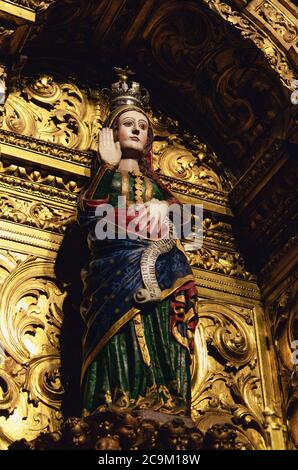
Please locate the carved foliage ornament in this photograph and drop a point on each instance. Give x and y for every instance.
(277, 20)
(35, 214)
(178, 162)
(58, 113)
(39, 180)
(231, 264)
(3, 77)
(227, 81)
(31, 307)
(37, 5)
(249, 30)
(66, 116)
(226, 377)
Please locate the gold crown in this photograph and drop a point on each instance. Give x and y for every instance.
(122, 92)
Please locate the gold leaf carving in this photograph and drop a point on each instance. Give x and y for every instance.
(27, 302)
(36, 214)
(9, 392)
(30, 387)
(38, 176)
(61, 153)
(229, 334)
(276, 58)
(3, 85)
(54, 112)
(37, 5)
(278, 21)
(43, 381)
(231, 264)
(178, 162)
(226, 383)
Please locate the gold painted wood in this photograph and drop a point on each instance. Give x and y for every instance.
(251, 25)
(14, 10)
(48, 141)
(227, 384)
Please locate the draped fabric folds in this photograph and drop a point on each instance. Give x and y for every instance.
(134, 355)
(113, 365)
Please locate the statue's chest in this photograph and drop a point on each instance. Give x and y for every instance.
(135, 187)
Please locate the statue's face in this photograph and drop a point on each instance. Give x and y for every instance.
(132, 132)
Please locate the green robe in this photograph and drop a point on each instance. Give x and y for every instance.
(119, 376)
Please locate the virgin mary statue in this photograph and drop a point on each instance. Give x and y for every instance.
(139, 294)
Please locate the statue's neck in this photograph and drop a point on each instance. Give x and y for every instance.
(128, 164)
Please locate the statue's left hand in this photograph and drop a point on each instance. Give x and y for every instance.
(151, 215)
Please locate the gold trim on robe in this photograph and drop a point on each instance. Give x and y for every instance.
(124, 319)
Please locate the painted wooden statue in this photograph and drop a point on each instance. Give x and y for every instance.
(139, 292)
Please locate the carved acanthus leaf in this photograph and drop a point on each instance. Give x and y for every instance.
(36, 214)
(31, 307)
(231, 264)
(53, 112)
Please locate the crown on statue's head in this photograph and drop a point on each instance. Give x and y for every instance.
(126, 92)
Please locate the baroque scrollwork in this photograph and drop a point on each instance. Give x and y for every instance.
(62, 115)
(229, 335)
(218, 395)
(61, 120)
(276, 58)
(53, 112)
(215, 75)
(179, 162)
(29, 336)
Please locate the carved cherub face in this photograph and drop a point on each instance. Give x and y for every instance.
(132, 133)
(78, 432)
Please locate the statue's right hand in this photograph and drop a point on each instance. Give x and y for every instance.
(110, 151)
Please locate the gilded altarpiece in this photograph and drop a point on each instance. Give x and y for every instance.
(49, 138)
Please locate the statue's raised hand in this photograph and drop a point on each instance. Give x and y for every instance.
(110, 151)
